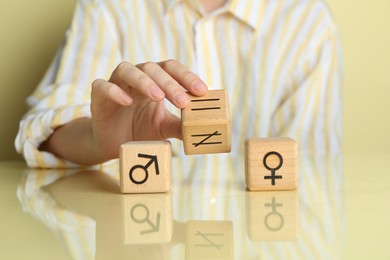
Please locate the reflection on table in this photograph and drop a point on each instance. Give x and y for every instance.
(209, 214)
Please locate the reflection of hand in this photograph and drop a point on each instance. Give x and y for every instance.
(34, 195)
(95, 195)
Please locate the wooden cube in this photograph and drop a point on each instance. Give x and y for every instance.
(271, 164)
(206, 124)
(272, 215)
(145, 167)
(147, 218)
(209, 240)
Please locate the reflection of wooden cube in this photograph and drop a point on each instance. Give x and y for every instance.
(271, 164)
(272, 216)
(206, 124)
(148, 218)
(208, 240)
(145, 167)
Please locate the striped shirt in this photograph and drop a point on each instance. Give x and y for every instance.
(280, 61)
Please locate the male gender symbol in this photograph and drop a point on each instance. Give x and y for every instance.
(136, 211)
(273, 176)
(144, 168)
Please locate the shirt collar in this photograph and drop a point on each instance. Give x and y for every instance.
(169, 4)
(247, 11)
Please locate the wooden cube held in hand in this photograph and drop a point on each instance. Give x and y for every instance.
(271, 164)
(145, 167)
(206, 124)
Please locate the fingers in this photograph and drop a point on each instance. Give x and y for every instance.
(103, 90)
(184, 77)
(129, 75)
(168, 79)
(174, 92)
(171, 127)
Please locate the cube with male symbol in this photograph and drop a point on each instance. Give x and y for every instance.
(145, 167)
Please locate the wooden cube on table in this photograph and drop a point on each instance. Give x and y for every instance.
(206, 124)
(145, 167)
(271, 164)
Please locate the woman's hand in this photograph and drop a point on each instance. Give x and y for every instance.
(130, 105)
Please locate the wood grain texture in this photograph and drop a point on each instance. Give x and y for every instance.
(145, 167)
(279, 155)
(206, 124)
(272, 215)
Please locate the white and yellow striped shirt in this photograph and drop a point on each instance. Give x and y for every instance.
(280, 61)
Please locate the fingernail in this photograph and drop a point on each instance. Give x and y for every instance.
(200, 87)
(182, 99)
(157, 93)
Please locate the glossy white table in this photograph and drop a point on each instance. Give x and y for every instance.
(340, 211)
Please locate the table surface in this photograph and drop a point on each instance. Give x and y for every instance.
(341, 210)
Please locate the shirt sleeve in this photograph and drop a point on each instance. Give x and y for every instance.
(312, 109)
(90, 51)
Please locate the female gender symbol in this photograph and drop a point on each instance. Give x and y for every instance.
(274, 205)
(273, 177)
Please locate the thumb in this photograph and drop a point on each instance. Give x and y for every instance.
(171, 127)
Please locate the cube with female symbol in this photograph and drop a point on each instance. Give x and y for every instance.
(271, 164)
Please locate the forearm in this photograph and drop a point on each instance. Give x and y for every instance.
(74, 142)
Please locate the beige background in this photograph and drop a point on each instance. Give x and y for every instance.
(30, 32)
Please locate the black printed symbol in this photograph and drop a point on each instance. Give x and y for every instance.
(205, 108)
(153, 159)
(208, 136)
(276, 215)
(210, 243)
(273, 177)
(141, 209)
